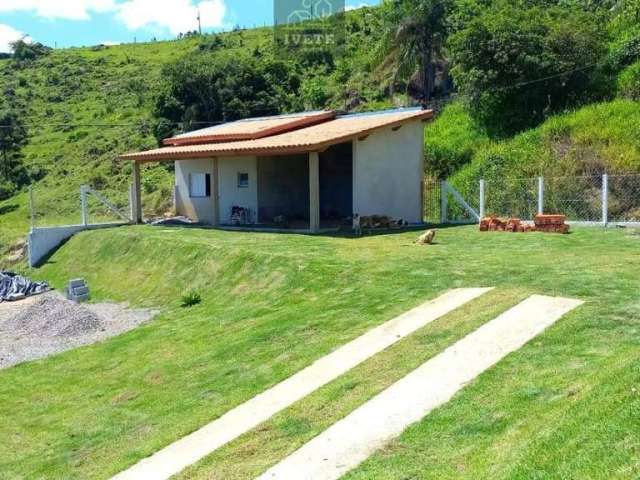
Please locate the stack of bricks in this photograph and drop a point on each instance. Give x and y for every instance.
(543, 223)
(495, 224)
(551, 223)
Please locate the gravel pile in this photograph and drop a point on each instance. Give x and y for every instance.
(52, 316)
(48, 324)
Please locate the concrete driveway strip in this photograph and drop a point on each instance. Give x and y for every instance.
(188, 450)
(347, 443)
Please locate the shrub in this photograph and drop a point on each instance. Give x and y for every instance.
(629, 82)
(314, 93)
(451, 140)
(190, 299)
(7, 189)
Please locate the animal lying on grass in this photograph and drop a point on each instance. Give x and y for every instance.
(426, 238)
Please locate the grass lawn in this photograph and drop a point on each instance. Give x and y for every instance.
(565, 406)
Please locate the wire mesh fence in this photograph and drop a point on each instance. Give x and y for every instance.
(112, 206)
(55, 207)
(596, 199)
(578, 198)
(624, 198)
(516, 197)
(432, 200)
(51, 207)
(459, 210)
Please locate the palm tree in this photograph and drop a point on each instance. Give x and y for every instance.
(413, 41)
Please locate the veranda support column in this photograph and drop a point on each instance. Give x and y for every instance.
(215, 194)
(136, 203)
(314, 191)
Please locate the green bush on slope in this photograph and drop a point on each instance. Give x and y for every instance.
(629, 82)
(451, 140)
(590, 141)
(600, 138)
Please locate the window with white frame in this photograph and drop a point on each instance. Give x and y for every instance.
(243, 180)
(199, 185)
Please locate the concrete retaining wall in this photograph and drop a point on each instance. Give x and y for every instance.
(43, 241)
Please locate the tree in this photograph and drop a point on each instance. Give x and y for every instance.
(314, 92)
(13, 135)
(625, 33)
(207, 89)
(415, 31)
(515, 66)
(24, 51)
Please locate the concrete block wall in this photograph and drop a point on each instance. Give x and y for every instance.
(42, 241)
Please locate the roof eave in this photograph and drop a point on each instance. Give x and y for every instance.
(171, 156)
(297, 149)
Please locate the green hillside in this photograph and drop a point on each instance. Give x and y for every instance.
(273, 304)
(595, 139)
(538, 87)
(571, 150)
(88, 87)
(84, 106)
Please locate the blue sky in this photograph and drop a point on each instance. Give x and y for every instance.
(65, 23)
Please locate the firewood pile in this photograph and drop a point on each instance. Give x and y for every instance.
(542, 223)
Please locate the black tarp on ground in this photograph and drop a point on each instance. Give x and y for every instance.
(15, 287)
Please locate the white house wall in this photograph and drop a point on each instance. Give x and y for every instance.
(198, 209)
(388, 172)
(230, 194)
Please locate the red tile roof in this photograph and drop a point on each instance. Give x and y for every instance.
(252, 128)
(312, 138)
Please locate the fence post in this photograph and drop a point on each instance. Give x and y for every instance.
(423, 188)
(32, 207)
(482, 199)
(444, 200)
(540, 195)
(83, 205)
(605, 200)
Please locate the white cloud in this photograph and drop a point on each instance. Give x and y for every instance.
(178, 16)
(63, 9)
(7, 35)
(174, 15)
(350, 7)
